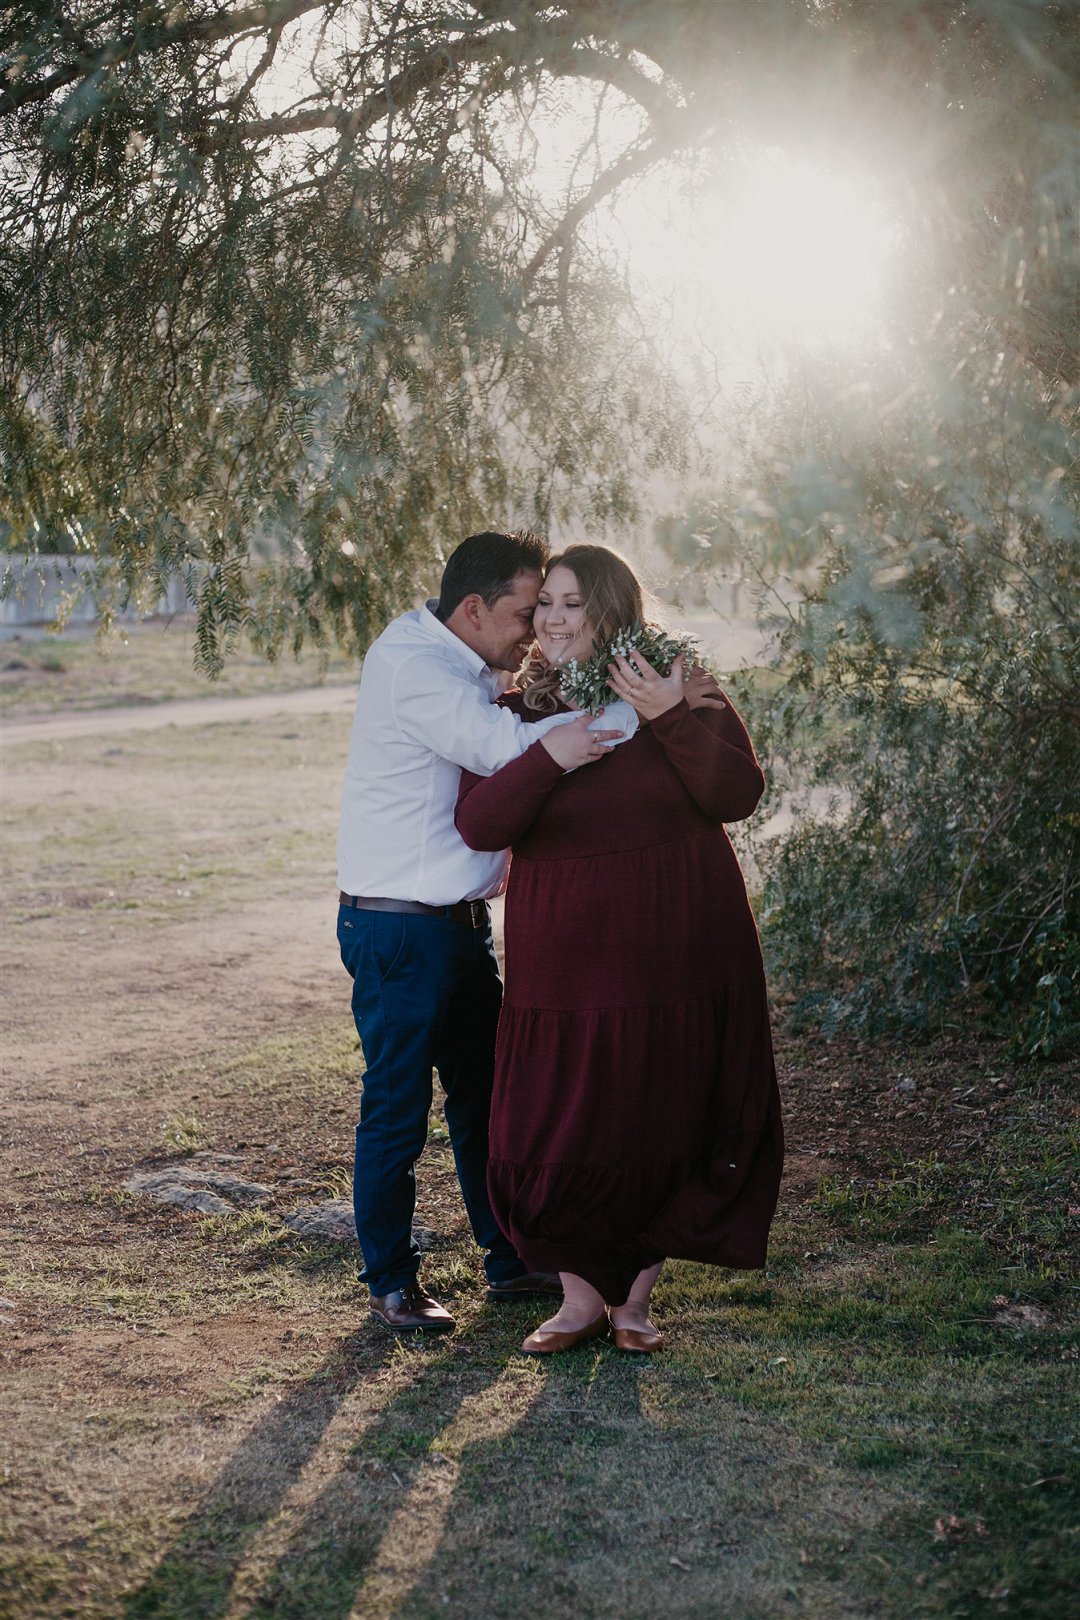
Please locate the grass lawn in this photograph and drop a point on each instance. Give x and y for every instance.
(879, 1424)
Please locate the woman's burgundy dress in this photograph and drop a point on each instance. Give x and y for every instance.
(636, 1112)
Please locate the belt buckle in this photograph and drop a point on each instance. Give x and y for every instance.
(478, 913)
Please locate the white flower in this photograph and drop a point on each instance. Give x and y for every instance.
(588, 686)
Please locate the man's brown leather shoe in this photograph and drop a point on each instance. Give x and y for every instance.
(533, 1285)
(408, 1310)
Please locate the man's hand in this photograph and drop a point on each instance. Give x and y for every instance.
(573, 744)
(701, 690)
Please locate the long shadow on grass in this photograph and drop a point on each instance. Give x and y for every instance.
(480, 1480)
(474, 1479)
(196, 1577)
(583, 1485)
(373, 1533)
(602, 1484)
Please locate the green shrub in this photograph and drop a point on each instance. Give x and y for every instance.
(930, 681)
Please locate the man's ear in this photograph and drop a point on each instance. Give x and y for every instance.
(472, 607)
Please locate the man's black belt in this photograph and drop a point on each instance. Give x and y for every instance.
(473, 912)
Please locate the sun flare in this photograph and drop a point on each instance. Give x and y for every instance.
(780, 252)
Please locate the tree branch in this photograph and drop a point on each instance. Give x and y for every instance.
(586, 62)
(396, 93)
(263, 65)
(201, 30)
(635, 160)
(566, 58)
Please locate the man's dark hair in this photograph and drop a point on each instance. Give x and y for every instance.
(486, 565)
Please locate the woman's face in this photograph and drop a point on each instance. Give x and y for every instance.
(559, 621)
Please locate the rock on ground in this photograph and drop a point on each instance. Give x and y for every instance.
(216, 1192)
(208, 1191)
(332, 1219)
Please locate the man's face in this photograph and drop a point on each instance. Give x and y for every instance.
(504, 633)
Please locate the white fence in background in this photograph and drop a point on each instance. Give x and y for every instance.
(40, 589)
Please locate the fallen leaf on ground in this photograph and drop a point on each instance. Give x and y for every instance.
(952, 1528)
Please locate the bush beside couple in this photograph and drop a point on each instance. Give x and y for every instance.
(618, 1104)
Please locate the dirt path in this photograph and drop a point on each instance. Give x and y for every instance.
(193, 712)
(205, 983)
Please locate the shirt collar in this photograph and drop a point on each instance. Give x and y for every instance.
(435, 627)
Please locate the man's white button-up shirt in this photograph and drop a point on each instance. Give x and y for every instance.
(424, 710)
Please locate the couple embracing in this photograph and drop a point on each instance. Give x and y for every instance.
(618, 1103)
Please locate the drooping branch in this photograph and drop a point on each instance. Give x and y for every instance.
(635, 160)
(560, 56)
(558, 43)
(586, 62)
(147, 41)
(397, 92)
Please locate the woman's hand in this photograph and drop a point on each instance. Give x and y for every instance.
(573, 744)
(650, 693)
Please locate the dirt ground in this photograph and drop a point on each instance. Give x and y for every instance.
(226, 974)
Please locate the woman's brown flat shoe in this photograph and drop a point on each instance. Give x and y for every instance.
(639, 1341)
(547, 1344)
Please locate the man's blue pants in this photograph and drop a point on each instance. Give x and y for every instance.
(426, 994)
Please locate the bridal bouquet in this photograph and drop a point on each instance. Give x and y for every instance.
(586, 685)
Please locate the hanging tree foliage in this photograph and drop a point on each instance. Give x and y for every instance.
(283, 304)
(296, 315)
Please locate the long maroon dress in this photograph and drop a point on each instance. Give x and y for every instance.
(636, 1112)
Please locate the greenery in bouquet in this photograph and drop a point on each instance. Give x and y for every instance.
(587, 685)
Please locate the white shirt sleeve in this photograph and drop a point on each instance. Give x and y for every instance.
(451, 715)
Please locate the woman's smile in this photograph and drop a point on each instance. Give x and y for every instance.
(560, 622)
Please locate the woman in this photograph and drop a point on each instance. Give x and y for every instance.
(636, 1112)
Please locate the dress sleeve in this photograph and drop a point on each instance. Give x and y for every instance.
(494, 811)
(714, 758)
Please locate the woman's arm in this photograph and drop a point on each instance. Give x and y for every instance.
(494, 811)
(709, 747)
(714, 759)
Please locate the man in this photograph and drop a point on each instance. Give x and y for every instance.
(413, 921)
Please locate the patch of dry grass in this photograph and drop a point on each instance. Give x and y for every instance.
(156, 823)
(141, 664)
